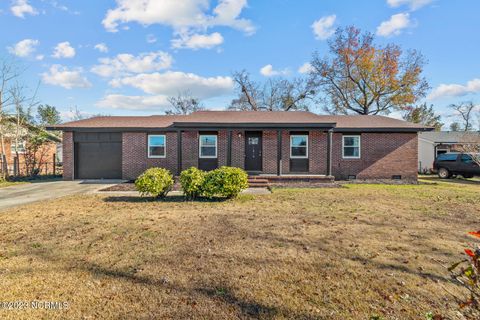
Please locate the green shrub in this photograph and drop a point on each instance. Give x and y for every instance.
(225, 182)
(192, 181)
(155, 182)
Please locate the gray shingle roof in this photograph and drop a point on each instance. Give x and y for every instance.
(241, 117)
(450, 136)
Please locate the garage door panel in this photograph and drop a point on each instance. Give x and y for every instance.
(98, 160)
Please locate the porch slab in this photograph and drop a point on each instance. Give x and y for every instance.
(286, 178)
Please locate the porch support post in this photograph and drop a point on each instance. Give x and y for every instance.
(329, 151)
(179, 152)
(229, 148)
(279, 152)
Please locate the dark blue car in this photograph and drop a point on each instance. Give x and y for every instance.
(455, 163)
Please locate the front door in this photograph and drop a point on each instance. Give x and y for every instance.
(253, 151)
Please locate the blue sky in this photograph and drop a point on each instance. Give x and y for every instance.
(126, 56)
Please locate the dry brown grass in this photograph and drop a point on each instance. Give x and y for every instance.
(4, 183)
(336, 253)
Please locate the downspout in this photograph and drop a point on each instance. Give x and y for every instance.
(329, 151)
(279, 152)
(179, 152)
(229, 148)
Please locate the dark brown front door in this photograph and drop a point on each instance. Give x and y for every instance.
(253, 151)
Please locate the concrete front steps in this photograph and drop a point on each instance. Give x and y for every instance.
(265, 181)
(257, 182)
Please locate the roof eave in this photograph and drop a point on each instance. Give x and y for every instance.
(385, 129)
(250, 125)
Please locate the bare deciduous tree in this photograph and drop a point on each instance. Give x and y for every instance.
(9, 72)
(273, 95)
(23, 110)
(184, 103)
(361, 77)
(466, 112)
(472, 145)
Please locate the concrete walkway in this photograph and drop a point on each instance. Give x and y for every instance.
(37, 191)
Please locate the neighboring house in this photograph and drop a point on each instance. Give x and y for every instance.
(433, 143)
(43, 157)
(269, 143)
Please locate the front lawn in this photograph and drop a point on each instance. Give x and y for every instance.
(329, 253)
(4, 183)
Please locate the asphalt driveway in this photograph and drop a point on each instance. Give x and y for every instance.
(32, 192)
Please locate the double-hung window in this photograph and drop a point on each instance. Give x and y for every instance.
(351, 147)
(299, 146)
(156, 146)
(208, 146)
(20, 148)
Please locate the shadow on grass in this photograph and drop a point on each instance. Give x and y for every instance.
(250, 308)
(175, 199)
(221, 292)
(37, 179)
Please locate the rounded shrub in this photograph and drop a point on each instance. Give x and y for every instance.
(225, 182)
(192, 180)
(155, 182)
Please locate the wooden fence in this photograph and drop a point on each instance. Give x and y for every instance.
(18, 168)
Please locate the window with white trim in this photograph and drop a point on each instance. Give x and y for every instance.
(156, 146)
(351, 147)
(299, 146)
(208, 146)
(20, 148)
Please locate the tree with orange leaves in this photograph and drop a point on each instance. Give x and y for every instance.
(467, 273)
(361, 77)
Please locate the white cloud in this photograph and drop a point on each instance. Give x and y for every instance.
(171, 83)
(323, 27)
(127, 63)
(413, 4)
(227, 13)
(102, 47)
(395, 25)
(268, 71)
(39, 57)
(198, 41)
(455, 90)
(68, 78)
(151, 38)
(24, 48)
(305, 68)
(120, 101)
(63, 50)
(20, 8)
(187, 16)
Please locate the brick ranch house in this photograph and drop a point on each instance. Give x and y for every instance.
(268, 143)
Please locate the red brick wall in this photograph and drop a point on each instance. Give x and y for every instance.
(285, 152)
(135, 154)
(44, 157)
(222, 145)
(269, 152)
(238, 149)
(382, 155)
(189, 149)
(68, 157)
(317, 149)
(317, 152)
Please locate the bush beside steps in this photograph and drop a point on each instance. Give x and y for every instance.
(224, 182)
